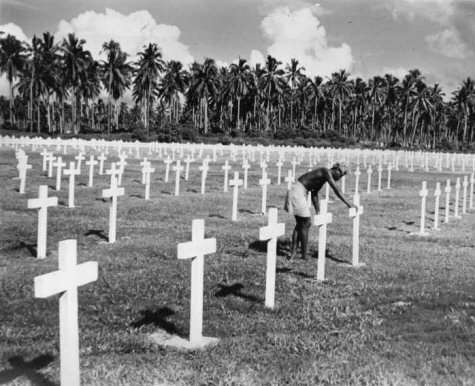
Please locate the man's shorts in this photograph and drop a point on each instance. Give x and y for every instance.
(296, 201)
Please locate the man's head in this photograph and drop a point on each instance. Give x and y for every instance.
(339, 170)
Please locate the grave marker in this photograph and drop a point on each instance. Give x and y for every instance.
(264, 181)
(235, 183)
(322, 220)
(42, 203)
(101, 159)
(355, 215)
(437, 194)
(167, 162)
(195, 250)
(113, 192)
(91, 164)
(204, 172)
(369, 171)
(457, 198)
(147, 170)
(464, 200)
(226, 169)
(65, 282)
(447, 190)
(177, 169)
(71, 172)
(271, 232)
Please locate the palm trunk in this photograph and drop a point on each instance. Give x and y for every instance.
(238, 111)
(12, 116)
(38, 116)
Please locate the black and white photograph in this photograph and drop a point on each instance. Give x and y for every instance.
(237, 192)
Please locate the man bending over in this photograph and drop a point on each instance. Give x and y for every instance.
(296, 201)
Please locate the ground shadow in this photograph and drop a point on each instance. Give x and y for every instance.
(329, 255)
(97, 232)
(283, 270)
(247, 211)
(82, 184)
(235, 290)
(52, 187)
(217, 215)
(62, 203)
(165, 192)
(283, 247)
(29, 370)
(192, 190)
(16, 190)
(409, 222)
(391, 228)
(158, 318)
(29, 247)
(138, 181)
(136, 195)
(102, 199)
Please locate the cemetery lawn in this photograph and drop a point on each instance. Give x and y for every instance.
(406, 318)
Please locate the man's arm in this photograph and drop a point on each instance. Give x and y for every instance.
(333, 185)
(315, 202)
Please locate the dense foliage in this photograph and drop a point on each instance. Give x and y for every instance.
(59, 87)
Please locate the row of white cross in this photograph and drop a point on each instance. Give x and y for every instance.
(423, 193)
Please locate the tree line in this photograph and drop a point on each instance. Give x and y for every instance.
(58, 86)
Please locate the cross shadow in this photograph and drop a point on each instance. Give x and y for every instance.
(16, 190)
(409, 222)
(29, 247)
(52, 187)
(246, 211)
(20, 368)
(136, 195)
(82, 184)
(391, 228)
(158, 318)
(283, 270)
(261, 246)
(330, 256)
(97, 232)
(62, 203)
(234, 289)
(192, 190)
(102, 199)
(217, 215)
(165, 192)
(138, 181)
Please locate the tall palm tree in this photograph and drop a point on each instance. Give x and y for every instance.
(116, 75)
(149, 66)
(239, 80)
(75, 62)
(315, 87)
(12, 60)
(340, 89)
(272, 83)
(204, 85)
(172, 85)
(293, 73)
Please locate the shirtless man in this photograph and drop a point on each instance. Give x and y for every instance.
(296, 201)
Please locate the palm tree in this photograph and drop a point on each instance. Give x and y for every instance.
(239, 80)
(12, 60)
(116, 74)
(315, 87)
(340, 89)
(173, 83)
(75, 62)
(204, 85)
(148, 68)
(293, 73)
(272, 83)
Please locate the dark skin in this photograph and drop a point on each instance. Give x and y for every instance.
(313, 181)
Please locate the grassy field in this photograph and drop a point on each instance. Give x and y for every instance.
(406, 318)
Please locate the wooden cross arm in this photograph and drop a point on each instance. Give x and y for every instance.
(34, 203)
(192, 249)
(322, 219)
(59, 281)
(106, 193)
(269, 232)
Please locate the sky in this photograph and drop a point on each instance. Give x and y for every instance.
(364, 37)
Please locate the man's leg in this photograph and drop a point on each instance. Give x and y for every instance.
(305, 223)
(295, 239)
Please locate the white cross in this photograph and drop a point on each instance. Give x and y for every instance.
(113, 171)
(65, 282)
(121, 164)
(91, 164)
(457, 196)
(113, 192)
(447, 190)
(322, 220)
(187, 168)
(357, 178)
(264, 181)
(50, 159)
(369, 171)
(464, 201)
(177, 169)
(355, 215)
(289, 179)
(271, 232)
(235, 183)
(294, 163)
(59, 164)
(423, 194)
(143, 163)
(44, 154)
(101, 159)
(23, 166)
(226, 169)
(245, 166)
(380, 173)
(195, 250)
(437, 194)
(147, 170)
(42, 203)
(472, 181)
(279, 165)
(204, 172)
(71, 172)
(80, 157)
(167, 162)
(390, 167)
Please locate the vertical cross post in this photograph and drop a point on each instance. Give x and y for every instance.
(91, 164)
(113, 192)
(264, 181)
(226, 169)
(457, 198)
(448, 189)
(322, 220)
(235, 183)
(423, 194)
(464, 199)
(355, 215)
(177, 169)
(437, 194)
(71, 172)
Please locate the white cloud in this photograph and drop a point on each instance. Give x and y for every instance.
(439, 11)
(299, 34)
(256, 57)
(447, 42)
(132, 31)
(398, 72)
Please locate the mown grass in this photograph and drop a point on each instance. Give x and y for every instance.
(406, 318)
